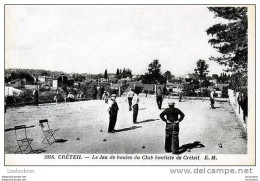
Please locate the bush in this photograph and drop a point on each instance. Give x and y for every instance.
(151, 92)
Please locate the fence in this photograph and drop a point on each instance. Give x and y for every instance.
(233, 99)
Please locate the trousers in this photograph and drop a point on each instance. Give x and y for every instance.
(112, 122)
(130, 103)
(172, 137)
(159, 100)
(212, 102)
(135, 112)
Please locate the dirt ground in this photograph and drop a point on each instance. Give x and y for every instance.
(80, 125)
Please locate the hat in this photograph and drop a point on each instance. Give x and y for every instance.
(171, 103)
(113, 95)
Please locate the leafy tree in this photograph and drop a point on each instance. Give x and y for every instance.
(168, 75)
(215, 76)
(20, 75)
(231, 40)
(45, 73)
(153, 76)
(202, 69)
(123, 74)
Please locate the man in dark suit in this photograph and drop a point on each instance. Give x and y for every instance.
(172, 127)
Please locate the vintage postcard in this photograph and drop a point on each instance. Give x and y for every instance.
(129, 84)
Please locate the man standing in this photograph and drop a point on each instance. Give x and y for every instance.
(172, 127)
(180, 96)
(105, 96)
(135, 102)
(130, 96)
(212, 100)
(159, 97)
(164, 90)
(36, 96)
(102, 90)
(112, 109)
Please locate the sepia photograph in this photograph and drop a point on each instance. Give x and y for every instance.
(141, 84)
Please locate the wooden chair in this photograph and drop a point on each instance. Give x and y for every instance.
(24, 143)
(47, 131)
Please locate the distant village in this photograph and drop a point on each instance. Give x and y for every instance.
(60, 86)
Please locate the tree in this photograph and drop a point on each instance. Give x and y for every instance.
(215, 76)
(231, 38)
(44, 73)
(168, 75)
(202, 69)
(105, 74)
(153, 76)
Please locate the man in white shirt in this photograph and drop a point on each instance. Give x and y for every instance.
(130, 96)
(135, 103)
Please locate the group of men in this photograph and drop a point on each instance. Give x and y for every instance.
(133, 100)
(171, 116)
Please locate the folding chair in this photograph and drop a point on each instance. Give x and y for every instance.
(47, 131)
(23, 141)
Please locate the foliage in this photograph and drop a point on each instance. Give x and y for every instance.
(224, 78)
(231, 38)
(20, 75)
(202, 69)
(168, 75)
(123, 74)
(153, 76)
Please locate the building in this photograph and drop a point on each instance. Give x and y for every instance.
(220, 86)
(174, 88)
(16, 83)
(42, 78)
(60, 81)
(213, 81)
(10, 91)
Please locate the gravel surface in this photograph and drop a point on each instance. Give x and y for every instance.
(80, 125)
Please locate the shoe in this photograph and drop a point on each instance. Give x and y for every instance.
(113, 131)
(168, 151)
(175, 152)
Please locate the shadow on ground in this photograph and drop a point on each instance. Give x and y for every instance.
(148, 120)
(215, 107)
(60, 140)
(190, 146)
(38, 151)
(128, 129)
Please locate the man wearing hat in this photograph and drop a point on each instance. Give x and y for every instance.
(172, 127)
(112, 109)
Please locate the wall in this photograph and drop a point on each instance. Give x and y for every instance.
(233, 101)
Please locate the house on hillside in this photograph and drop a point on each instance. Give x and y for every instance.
(174, 88)
(116, 86)
(16, 83)
(124, 80)
(220, 86)
(42, 78)
(59, 81)
(10, 91)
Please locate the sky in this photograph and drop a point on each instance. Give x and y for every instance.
(92, 38)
